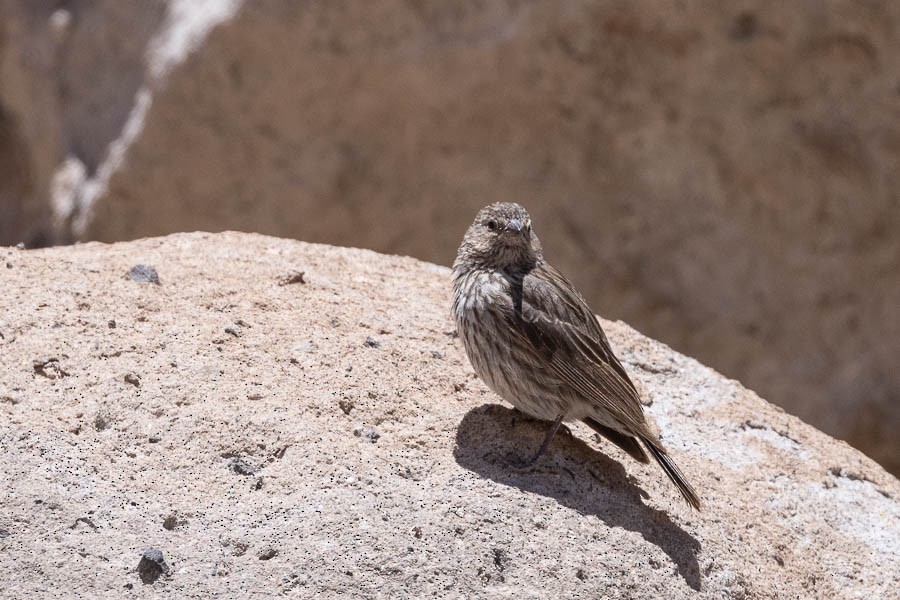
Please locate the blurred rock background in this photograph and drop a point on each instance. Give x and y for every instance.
(723, 176)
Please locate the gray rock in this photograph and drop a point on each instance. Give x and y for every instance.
(431, 509)
(152, 565)
(143, 274)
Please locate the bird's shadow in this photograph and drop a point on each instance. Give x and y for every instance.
(574, 474)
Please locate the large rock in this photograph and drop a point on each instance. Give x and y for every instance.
(723, 177)
(228, 432)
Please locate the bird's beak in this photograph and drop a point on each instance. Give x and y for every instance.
(515, 225)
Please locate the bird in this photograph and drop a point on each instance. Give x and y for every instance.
(533, 339)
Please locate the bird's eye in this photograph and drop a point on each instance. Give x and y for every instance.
(492, 225)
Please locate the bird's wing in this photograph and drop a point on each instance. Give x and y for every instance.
(556, 323)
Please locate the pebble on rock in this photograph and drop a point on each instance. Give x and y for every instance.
(152, 565)
(143, 274)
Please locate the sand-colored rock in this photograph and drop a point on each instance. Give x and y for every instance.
(237, 435)
(722, 176)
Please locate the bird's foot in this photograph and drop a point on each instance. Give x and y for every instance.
(527, 464)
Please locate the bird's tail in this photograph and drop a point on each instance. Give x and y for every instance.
(674, 473)
(628, 443)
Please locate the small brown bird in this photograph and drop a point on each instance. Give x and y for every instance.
(535, 342)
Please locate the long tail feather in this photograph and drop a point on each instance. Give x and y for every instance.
(675, 474)
(626, 442)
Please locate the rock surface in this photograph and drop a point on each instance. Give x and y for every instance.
(240, 430)
(722, 176)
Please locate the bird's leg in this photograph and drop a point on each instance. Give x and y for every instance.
(518, 414)
(554, 427)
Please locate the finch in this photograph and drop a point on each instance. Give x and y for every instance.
(534, 341)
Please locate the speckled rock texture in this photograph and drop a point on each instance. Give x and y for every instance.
(280, 418)
(721, 175)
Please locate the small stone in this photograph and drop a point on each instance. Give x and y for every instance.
(152, 565)
(372, 343)
(369, 433)
(268, 553)
(111, 324)
(346, 405)
(143, 274)
(241, 467)
(49, 368)
(293, 277)
(133, 379)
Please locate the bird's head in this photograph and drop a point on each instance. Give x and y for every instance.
(501, 237)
